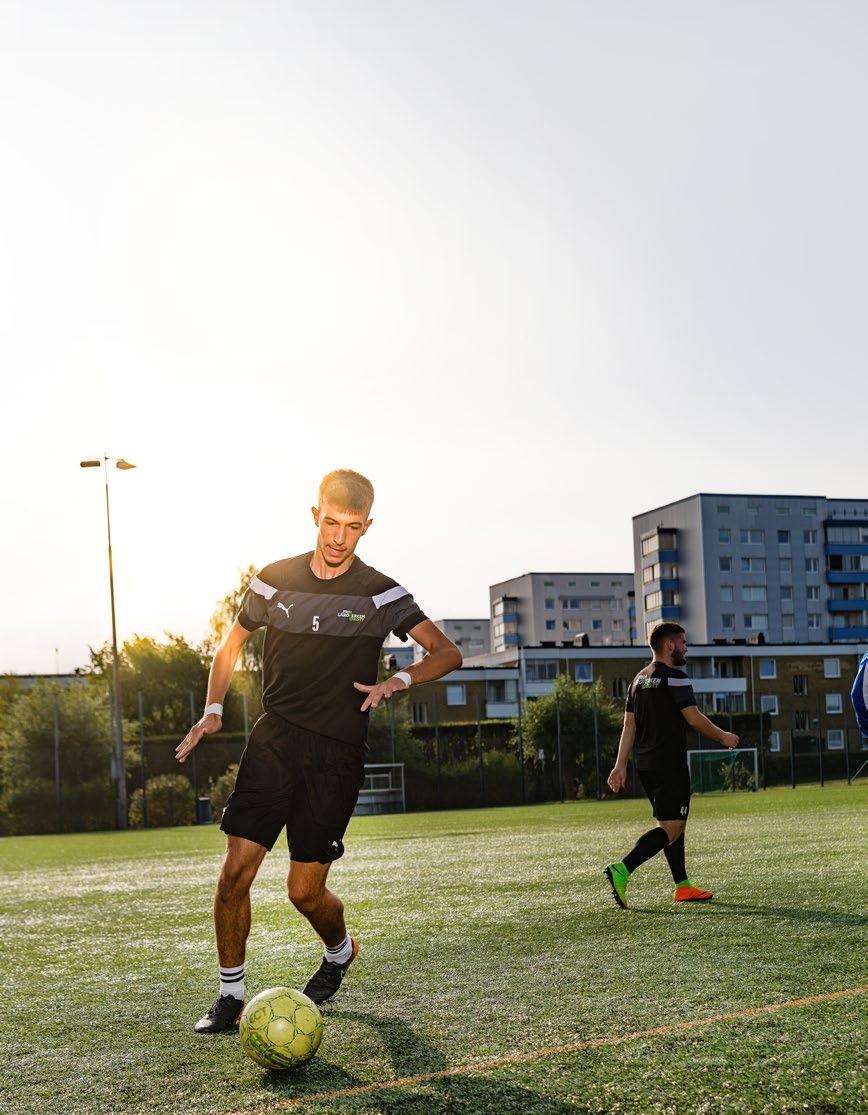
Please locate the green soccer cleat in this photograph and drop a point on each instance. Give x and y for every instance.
(617, 874)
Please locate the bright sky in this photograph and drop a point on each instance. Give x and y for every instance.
(487, 253)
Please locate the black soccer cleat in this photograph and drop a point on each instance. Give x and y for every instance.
(223, 1015)
(328, 977)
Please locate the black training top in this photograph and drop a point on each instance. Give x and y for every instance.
(656, 698)
(321, 637)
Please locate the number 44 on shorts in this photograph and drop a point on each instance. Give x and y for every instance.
(683, 810)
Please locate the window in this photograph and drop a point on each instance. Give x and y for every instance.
(810, 537)
(723, 534)
(727, 621)
(584, 671)
(619, 688)
(783, 511)
(653, 600)
(813, 621)
(596, 625)
(813, 592)
(725, 593)
(831, 667)
(801, 720)
(725, 564)
(753, 508)
(835, 739)
(571, 584)
(751, 537)
(809, 510)
(774, 741)
(550, 602)
(650, 545)
(595, 584)
(756, 621)
(786, 567)
(550, 625)
(753, 565)
(419, 713)
(800, 684)
(812, 565)
(783, 538)
(768, 668)
(723, 509)
(769, 704)
(753, 592)
(786, 592)
(548, 584)
(834, 704)
(456, 694)
(541, 669)
(615, 584)
(597, 605)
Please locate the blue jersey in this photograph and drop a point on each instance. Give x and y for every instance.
(859, 696)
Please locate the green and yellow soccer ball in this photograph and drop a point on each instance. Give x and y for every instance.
(280, 1028)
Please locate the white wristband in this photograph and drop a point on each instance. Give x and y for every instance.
(214, 707)
(402, 675)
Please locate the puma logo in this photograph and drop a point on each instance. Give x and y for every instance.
(284, 607)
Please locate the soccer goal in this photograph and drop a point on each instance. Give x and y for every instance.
(383, 789)
(724, 770)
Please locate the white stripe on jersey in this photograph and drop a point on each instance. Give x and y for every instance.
(678, 681)
(262, 588)
(389, 596)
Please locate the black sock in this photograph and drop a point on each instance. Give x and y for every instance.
(675, 856)
(648, 845)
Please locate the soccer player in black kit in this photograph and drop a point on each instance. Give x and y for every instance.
(660, 707)
(326, 616)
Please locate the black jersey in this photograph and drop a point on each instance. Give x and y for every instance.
(321, 637)
(656, 697)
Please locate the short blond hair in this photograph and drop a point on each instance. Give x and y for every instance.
(348, 490)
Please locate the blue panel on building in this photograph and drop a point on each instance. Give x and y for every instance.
(848, 605)
(667, 555)
(670, 584)
(846, 548)
(670, 613)
(512, 640)
(837, 578)
(853, 634)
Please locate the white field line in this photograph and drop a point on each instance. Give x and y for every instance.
(553, 1051)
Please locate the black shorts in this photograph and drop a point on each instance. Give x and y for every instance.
(290, 776)
(668, 791)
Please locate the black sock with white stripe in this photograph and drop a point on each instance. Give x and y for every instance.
(232, 981)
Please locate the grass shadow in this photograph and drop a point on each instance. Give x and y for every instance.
(411, 1055)
(791, 913)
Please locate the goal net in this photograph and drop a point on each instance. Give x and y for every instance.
(724, 770)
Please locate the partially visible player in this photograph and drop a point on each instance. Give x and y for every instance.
(326, 616)
(660, 708)
(859, 696)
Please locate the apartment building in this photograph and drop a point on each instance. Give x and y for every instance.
(779, 569)
(803, 689)
(559, 609)
(471, 636)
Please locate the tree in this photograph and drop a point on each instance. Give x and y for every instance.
(164, 673)
(576, 701)
(28, 801)
(170, 802)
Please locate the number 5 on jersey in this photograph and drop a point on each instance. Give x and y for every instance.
(315, 624)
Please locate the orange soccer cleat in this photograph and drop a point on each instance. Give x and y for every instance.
(689, 893)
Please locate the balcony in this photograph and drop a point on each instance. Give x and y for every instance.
(507, 617)
(672, 611)
(846, 548)
(847, 605)
(512, 639)
(671, 584)
(848, 634)
(667, 555)
(848, 577)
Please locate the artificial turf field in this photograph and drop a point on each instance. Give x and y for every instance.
(484, 934)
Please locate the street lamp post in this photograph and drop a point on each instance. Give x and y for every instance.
(118, 771)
